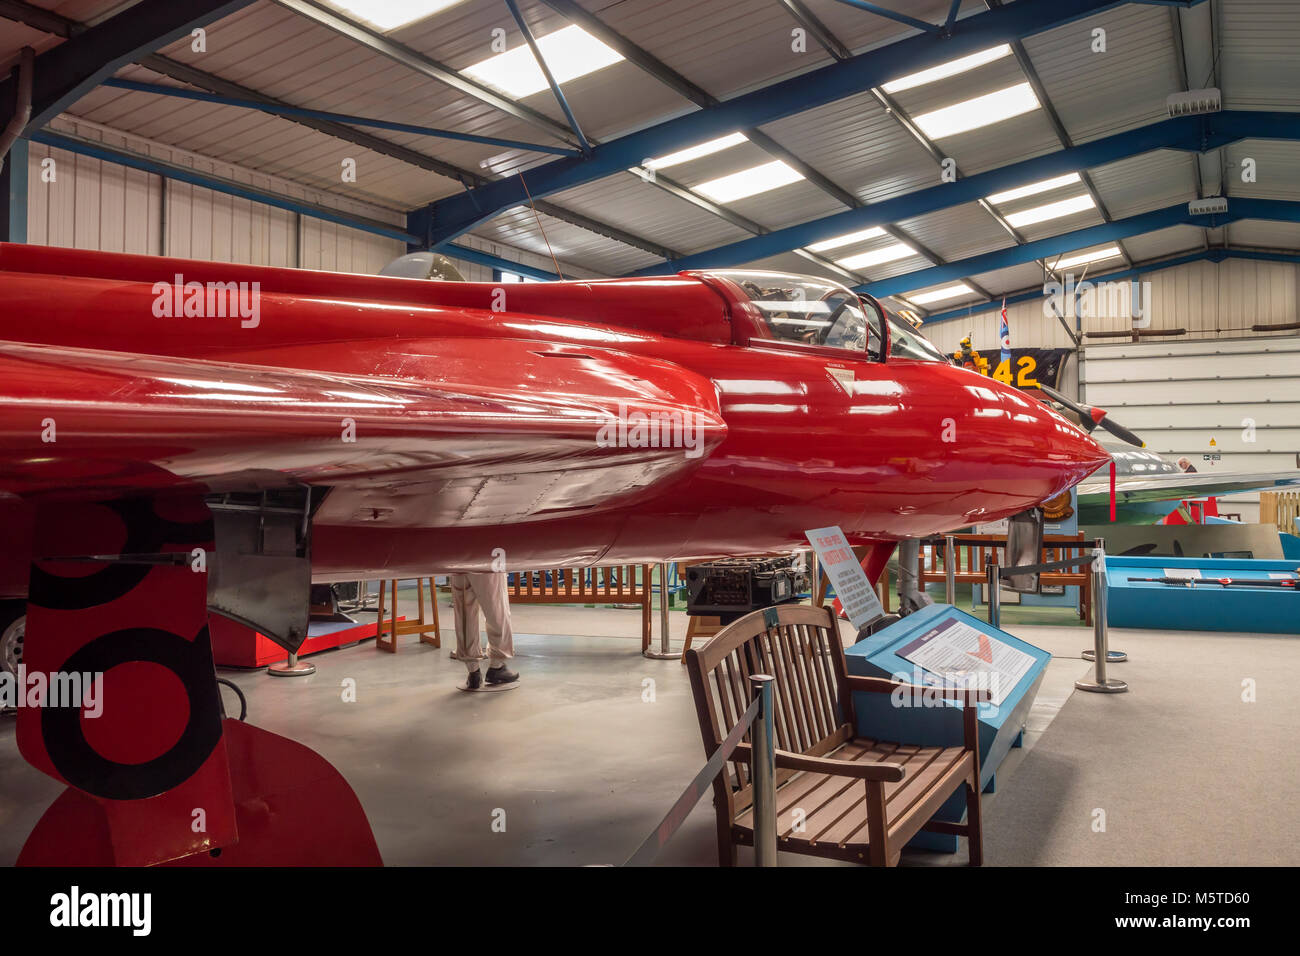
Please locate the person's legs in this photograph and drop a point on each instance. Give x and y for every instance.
(493, 597)
(469, 647)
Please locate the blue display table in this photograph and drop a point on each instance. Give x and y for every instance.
(1268, 610)
(938, 722)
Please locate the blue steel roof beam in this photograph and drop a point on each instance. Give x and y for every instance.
(1062, 135)
(294, 112)
(892, 15)
(460, 213)
(431, 68)
(65, 73)
(1184, 133)
(531, 40)
(1267, 209)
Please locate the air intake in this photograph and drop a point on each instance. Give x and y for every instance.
(1194, 101)
(1213, 206)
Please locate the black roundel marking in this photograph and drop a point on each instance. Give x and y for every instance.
(83, 767)
(145, 534)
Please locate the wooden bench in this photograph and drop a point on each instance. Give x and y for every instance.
(973, 552)
(838, 795)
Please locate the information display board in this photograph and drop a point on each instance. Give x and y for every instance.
(955, 654)
(854, 591)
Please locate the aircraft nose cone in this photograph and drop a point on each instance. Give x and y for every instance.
(1047, 443)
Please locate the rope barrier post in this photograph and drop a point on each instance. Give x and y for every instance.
(949, 571)
(663, 654)
(762, 769)
(993, 585)
(1090, 654)
(1100, 684)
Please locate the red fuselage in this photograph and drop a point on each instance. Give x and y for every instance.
(814, 436)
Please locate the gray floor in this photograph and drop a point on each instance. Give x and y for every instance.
(592, 748)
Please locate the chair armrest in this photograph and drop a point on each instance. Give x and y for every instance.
(857, 769)
(881, 685)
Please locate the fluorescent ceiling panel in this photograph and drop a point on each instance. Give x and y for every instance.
(1096, 255)
(570, 53)
(981, 111)
(696, 152)
(749, 182)
(385, 15)
(1033, 189)
(1052, 210)
(899, 250)
(939, 295)
(847, 239)
(944, 70)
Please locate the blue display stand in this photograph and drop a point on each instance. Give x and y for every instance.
(879, 716)
(1204, 608)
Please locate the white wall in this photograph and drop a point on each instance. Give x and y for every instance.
(93, 204)
(1201, 297)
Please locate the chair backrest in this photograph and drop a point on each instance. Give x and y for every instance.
(801, 648)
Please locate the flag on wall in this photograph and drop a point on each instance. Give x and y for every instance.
(1004, 332)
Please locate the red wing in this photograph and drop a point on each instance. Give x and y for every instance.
(531, 428)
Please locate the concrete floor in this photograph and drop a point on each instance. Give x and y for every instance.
(589, 752)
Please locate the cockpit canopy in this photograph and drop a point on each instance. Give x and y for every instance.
(812, 311)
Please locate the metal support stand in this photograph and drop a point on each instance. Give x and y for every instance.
(993, 585)
(663, 654)
(1100, 656)
(762, 770)
(949, 571)
(291, 668)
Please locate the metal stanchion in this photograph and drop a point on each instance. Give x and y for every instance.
(663, 654)
(949, 571)
(291, 668)
(1112, 657)
(993, 584)
(1100, 684)
(762, 768)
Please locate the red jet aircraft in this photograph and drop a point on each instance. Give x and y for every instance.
(182, 436)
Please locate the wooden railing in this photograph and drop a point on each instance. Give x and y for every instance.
(1280, 508)
(973, 551)
(616, 584)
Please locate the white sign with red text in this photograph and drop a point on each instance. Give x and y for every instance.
(855, 592)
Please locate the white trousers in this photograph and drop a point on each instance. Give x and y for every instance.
(469, 594)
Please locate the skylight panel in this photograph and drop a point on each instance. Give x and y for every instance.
(981, 111)
(1052, 210)
(386, 15)
(848, 239)
(1033, 189)
(696, 152)
(940, 295)
(749, 182)
(570, 53)
(1082, 258)
(944, 70)
(899, 250)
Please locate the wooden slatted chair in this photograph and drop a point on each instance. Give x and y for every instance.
(838, 795)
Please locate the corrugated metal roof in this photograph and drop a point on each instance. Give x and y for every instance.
(725, 47)
(1097, 94)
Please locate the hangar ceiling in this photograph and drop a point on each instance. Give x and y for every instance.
(758, 132)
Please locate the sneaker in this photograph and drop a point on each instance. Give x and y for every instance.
(500, 675)
(476, 679)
